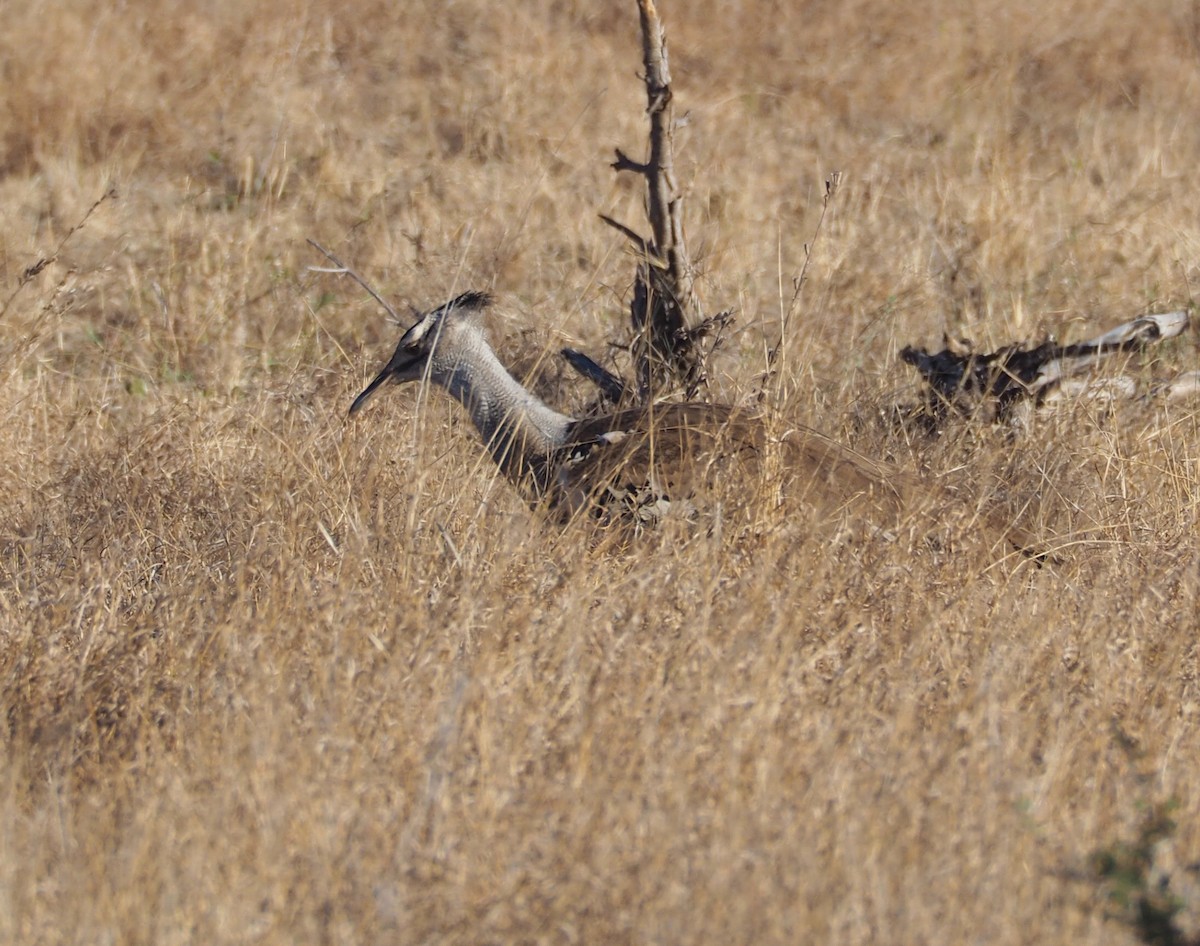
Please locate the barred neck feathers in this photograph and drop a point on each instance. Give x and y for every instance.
(520, 431)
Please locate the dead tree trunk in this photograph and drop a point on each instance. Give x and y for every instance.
(665, 350)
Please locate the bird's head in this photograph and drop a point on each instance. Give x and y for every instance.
(426, 349)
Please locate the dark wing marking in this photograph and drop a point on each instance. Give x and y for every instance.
(663, 453)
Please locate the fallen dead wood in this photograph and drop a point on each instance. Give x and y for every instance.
(991, 384)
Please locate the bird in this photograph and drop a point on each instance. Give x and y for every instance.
(635, 463)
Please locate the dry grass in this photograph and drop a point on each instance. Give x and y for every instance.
(267, 676)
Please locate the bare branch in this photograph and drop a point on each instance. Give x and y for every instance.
(831, 186)
(34, 269)
(626, 163)
(665, 203)
(1129, 336)
(639, 241)
(343, 269)
(663, 304)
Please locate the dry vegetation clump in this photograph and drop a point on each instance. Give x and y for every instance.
(267, 676)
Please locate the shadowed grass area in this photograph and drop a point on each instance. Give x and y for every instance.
(267, 675)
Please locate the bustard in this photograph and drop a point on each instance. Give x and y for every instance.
(637, 460)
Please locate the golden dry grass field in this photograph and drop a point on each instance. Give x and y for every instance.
(271, 676)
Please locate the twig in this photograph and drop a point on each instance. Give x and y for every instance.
(664, 200)
(31, 271)
(642, 245)
(344, 270)
(626, 163)
(831, 186)
(962, 379)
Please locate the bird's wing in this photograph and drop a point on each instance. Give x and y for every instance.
(833, 475)
(663, 452)
(672, 451)
(638, 459)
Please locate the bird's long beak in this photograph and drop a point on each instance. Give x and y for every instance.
(371, 388)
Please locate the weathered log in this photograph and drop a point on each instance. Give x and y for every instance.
(964, 381)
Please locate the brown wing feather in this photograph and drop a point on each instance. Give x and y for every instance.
(833, 475)
(668, 449)
(677, 449)
(673, 451)
(887, 495)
